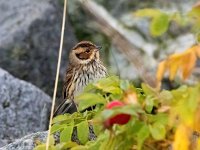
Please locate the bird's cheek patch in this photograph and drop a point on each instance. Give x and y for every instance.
(83, 55)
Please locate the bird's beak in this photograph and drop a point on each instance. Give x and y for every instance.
(99, 47)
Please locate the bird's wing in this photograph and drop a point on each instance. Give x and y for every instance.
(68, 84)
(67, 104)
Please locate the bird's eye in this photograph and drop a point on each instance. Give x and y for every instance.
(87, 51)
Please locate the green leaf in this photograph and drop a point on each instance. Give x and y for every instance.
(166, 97)
(100, 143)
(124, 84)
(147, 12)
(97, 129)
(89, 99)
(157, 131)
(40, 147)
(149, 103)
(61, 118)
(148, 90)
(51, 140)
(83, 131)
(109, 85)
(112, 90)
(161, 118)
(142, 135)
(65, 135)
(90, 87)
(159, 25)
(80, 147)
(67, 145)
(57, 127)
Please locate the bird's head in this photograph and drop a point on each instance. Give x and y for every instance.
(84, 52)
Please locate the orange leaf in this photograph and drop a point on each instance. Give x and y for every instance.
(188, 64)
(174, 65)
(197, 50)
(161, 70)
(130, 97)
(185, 61)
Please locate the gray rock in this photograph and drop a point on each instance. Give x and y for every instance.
(24, 108)
(30, 38)
(26, 143)
(30, 141)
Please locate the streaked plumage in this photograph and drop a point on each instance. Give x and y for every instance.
(84, 67)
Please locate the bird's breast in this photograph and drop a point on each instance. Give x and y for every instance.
(88, 74)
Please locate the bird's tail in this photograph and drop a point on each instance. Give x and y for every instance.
(66, 106)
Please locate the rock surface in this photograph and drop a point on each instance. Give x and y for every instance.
(27, 142)
(30, 141)
(30, 38)
(24, 108)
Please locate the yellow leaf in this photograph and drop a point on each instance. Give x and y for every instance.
(197, 120)
(185, 61)
(161, 70)
(198, 144)
(182, 138)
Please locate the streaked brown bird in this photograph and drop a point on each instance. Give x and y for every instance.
(84, 67)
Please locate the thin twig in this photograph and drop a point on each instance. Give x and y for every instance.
(57, 72)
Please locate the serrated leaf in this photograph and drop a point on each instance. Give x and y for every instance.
(89, 99)
(112, 90)
(83, 131)
(61, 118)
(109, 85)
(65, 135)
(57, 127)
(159, 24)
(158, 131)
(109, 81)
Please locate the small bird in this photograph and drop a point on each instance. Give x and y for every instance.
(84, 67)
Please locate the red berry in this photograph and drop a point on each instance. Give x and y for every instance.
(117, 119)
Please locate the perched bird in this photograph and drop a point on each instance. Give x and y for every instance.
(84, 67)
